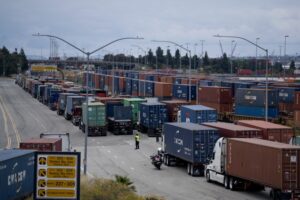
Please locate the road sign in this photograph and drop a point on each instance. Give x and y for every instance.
(57, 175)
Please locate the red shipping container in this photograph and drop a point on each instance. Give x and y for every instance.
(297, 118)
(173, 106)
(221, 108)
(42, 144)
(122, 83)
(271, 131)
(233, 130)
(97, 81)
(162, 89)
(286, 107)
(215, 94)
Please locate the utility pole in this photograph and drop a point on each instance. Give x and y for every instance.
(256, 56)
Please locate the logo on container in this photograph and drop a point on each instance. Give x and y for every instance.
(16, 177)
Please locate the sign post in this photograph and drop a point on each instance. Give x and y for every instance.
(57, 176)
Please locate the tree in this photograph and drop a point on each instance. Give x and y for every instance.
(205, 59)
(150, 57)
(24, 62)
(124, 180)
(225, 63)
(160, 55)
(177, 58)
(169, 58)
(292, 66)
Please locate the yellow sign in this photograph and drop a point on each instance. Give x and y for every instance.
(42, 160)
(61, 183)
(61, 173)
(61, 193)
(42, 192)
(66, 161)
(42, 172)
(43, 68)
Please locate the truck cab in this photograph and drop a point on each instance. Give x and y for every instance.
(215, 170)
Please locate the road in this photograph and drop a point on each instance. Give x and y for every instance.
(22, 116)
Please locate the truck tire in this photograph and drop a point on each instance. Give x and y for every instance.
(207, 176)
(226, 184)
(188, 168)
(231, 183)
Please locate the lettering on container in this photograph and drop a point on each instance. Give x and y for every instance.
(249, 97)
(16, 177)
(282, 94)
(178, 141)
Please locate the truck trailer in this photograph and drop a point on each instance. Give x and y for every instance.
(190, 144)
(247, 163)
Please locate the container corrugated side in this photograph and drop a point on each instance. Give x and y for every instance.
(153, 115)
(198, 114)
(17, 173)
(256, 111)
(190, 142)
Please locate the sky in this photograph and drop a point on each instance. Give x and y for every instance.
(91, 24)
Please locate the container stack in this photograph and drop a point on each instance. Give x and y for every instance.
(219, 98)
(173, 106)
(297, 109)
(182, 91)
(120, 123)
(286, 97)
(135, 104)
(251, 102)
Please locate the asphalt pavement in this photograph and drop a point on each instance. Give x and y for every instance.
(22, 117)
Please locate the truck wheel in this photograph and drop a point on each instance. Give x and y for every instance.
(207, 175)
(231, 183)
(226, 185)
(188, 168)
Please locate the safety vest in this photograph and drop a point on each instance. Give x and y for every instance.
(137, 138)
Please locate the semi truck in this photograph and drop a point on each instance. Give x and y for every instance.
(190, 144)
(62, 101)
(247, 163)
(72, 102)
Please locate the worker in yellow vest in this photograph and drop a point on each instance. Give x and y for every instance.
(137, 140)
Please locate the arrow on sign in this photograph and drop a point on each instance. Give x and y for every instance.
(42, 172)
(42, 161)
(42, 192)
(42, 183)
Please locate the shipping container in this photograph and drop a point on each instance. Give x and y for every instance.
(71, 103)
(271, 131)
(62, 102)
(122, 113)
(135, 104)
(297, 101)
(254, 111)
(146, 89)
(268, 163)
(297, 118)
(128, 87)
(286, 108)
(42, 144)
(173, 106)
(96, 116)
(152, 117)
(163, 90)
(17, 173)
(52, 97)
(287, 94)
(34, 89)
(256, 97)
(233, 130)
(41, 92)
(183, 92)
(110, 105)
(215, 94)
(198, 114)
(189, 142)
(251, 163)
(220, 108)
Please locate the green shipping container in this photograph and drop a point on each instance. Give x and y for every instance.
(96, 114)
(135, 104)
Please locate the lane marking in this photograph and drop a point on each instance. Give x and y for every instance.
(5, 126)
(17, 134)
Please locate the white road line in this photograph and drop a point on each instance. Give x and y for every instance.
(18, 137)
(5, 126)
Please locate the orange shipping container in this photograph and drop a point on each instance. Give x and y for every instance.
(297, 118)
(221, 108)
(162, 89)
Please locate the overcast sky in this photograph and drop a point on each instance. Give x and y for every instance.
(90, 24)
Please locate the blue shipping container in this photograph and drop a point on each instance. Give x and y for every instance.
(109, 106)
(205, 83)
(183, 91)
(122, 113)
(153, 115)
(256, 111)
(287, 94)
(128, 86)
(17, 173)
(135, 86)
(198, 114)
(191, 142)
(146, 89)
(256, 97)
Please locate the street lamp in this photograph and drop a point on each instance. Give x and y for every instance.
(88, 58)
(267, 57)
(190, 61)
(285, 59)
(256, 56)
(134, 45)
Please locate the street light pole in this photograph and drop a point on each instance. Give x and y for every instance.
(256, 56)
(286, 36)
(190, 61)
(88, 58)
(267, 72)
